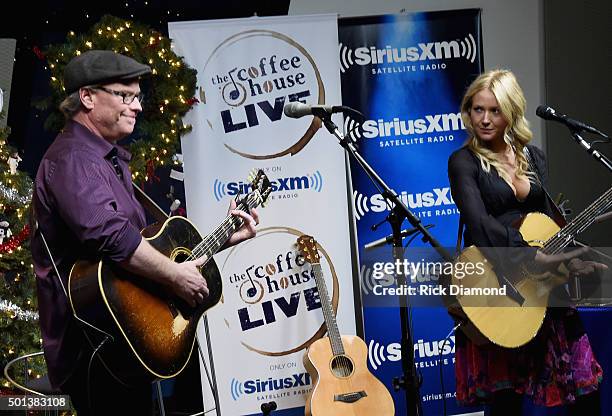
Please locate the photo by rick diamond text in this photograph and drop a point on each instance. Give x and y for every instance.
(437, 290)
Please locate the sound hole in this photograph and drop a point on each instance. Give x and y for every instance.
(176, 304)
(180, 256)
(342, 366)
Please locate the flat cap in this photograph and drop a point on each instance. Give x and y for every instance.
(97, 67)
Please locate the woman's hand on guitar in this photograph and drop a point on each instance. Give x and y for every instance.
(550, 262)
(248, 224)
(188, 283)
(576, 266)
(579, 267)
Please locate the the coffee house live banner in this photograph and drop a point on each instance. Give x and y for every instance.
(411, 71)
(248, 69)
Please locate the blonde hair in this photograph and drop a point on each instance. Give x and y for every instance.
(504, 86)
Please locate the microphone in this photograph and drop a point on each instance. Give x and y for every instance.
(297, 110)
(267, 408)
(389, 239)
(549, 113)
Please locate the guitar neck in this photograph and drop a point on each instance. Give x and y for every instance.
(566, 235)
(215, 240)
(328, 312)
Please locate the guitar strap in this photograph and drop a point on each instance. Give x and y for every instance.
(557, 213)
(459, 236)
(149, 205)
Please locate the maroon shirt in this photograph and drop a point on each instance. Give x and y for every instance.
(85, 211)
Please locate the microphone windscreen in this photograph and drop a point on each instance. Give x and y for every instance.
(545, 112)
(296, 109)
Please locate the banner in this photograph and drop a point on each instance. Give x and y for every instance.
(248, 69)
(407, 74)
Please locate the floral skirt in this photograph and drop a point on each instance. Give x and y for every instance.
(554, 368)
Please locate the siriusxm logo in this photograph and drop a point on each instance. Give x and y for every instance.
(378, 354)
(371, 55)
(312, 181)
(376, 203)
(239, 389)
(429, 124)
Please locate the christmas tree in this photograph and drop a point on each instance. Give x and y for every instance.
(18, 316)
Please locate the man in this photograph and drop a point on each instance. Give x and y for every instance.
(85, 208)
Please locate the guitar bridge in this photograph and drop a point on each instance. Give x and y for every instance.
(350, 397)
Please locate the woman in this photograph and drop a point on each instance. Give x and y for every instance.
(493, 186)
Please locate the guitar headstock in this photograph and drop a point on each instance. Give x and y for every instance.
(308, 247)
(261, 185)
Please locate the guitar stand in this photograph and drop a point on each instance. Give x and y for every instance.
(409, 380)
(267, 408)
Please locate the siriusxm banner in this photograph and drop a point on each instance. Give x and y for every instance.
(407, 75)
(248, 69)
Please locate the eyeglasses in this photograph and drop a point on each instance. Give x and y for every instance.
(128, 97)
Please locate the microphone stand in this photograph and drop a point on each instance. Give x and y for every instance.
(590, 150)
(410, 381)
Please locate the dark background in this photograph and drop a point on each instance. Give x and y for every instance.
(578, 82)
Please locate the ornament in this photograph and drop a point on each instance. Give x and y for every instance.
(5, 231)
(13, 162)
(39, 54)
(178, 162)
(15, 241)
(192, 101)
(174, 207)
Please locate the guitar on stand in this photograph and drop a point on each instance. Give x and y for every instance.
(342, 383)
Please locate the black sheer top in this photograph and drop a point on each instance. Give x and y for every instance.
(488, 206)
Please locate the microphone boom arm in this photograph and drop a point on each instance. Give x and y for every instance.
(387, 192)
(590, 150)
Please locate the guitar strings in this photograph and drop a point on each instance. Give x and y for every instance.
(207, 244)
(342, 360)
(559, 242)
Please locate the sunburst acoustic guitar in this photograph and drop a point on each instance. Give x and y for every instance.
(152, 331)
(342, 383)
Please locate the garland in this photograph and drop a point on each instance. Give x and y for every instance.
(17, 312)
(15, 241)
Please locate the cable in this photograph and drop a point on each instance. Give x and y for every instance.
(452, 331)
(210, 382)
(93, 354)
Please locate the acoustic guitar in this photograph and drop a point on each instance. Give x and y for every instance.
(149, 332)
(342, 383)
(513, 320)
